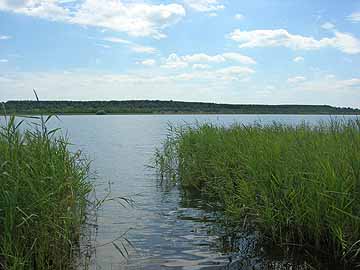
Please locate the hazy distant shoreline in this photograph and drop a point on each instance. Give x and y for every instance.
(190, 113)
(157, 107)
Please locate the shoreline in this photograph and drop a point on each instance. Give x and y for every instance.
(185, 113)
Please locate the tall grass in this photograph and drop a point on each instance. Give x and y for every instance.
(43, 198)
(300, 185)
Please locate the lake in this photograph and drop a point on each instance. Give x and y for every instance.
(167, 231)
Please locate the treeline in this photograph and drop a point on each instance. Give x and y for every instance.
(163, 107)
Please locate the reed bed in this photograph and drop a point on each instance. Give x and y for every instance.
(43, 198)
(299, 185)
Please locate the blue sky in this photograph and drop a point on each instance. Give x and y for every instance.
(259, 51)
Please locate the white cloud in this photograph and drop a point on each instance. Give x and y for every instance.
(148, 62)
(298, 59)
(354, 17)
(205, 5)
(353, 83)
(296, 79)
(131, 45)
(135, 19)
(239, 17)
(4, 37)
(4, 60)
(202, 57)
(175, 61)
(328, 26)
(142, 49)
(201, 66)
(344, 42)
(117, 40)
(13, 3)
(239, 58)
(45, 9)
(235, 72)
(273, 38)
(140, 85)
(228, 74)
(227, 86)
(328, 84)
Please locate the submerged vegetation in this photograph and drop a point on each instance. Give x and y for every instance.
(298, 185)
(163, 107)
(43, 198)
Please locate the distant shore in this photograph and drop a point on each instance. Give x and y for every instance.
(169, 113)
(157, 107)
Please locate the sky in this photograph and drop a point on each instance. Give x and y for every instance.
(223, 51)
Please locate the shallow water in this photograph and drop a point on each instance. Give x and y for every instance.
(165, 231)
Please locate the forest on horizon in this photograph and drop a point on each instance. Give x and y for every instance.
(163, 107)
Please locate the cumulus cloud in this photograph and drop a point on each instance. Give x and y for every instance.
(344, 42)
(298, 59)
(205, 5)
(239, 58)
(296, 79)
(175, 61)
(46, 9)
(354, 17)
(202, 70)
(135, 19)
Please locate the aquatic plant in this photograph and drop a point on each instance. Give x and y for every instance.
(299, 185)
(43, 197)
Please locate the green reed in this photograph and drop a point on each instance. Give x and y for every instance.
(300, 185)
(43, 198)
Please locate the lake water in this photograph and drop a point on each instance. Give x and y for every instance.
(166, 231)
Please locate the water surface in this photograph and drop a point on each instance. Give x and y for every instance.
(166, 231)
